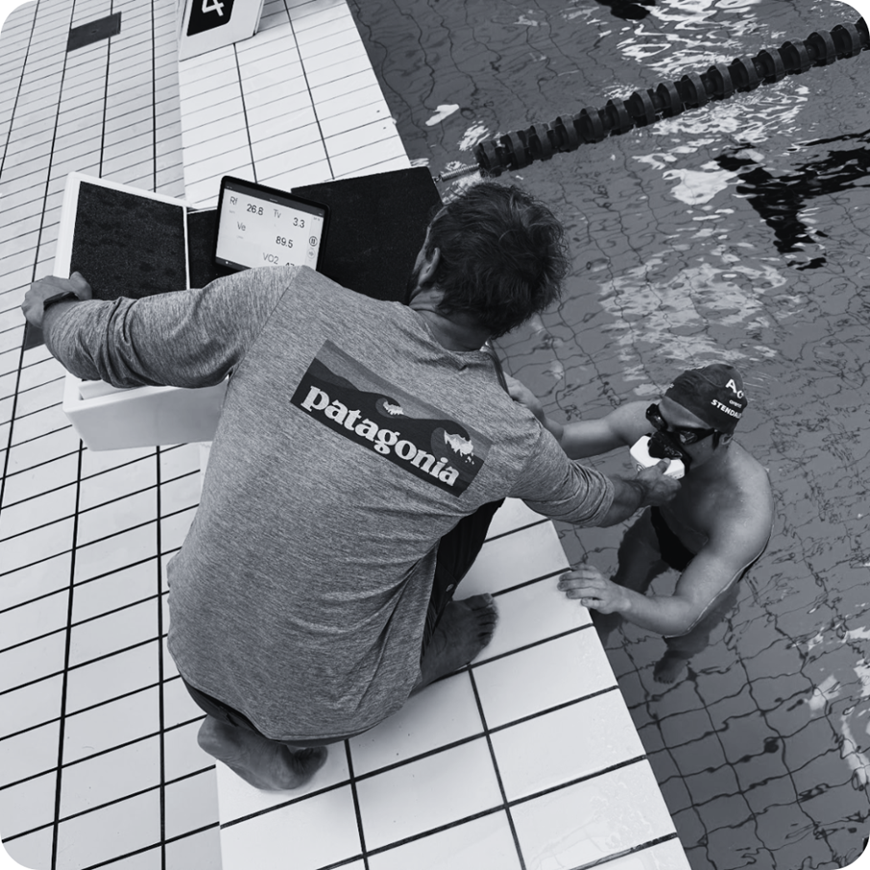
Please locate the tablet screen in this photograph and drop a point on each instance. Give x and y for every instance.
(260, 226)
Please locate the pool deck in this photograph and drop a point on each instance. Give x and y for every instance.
(527, 759)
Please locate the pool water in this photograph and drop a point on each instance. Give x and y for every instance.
(739, 232)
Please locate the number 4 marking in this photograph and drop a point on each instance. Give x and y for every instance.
(213, 6)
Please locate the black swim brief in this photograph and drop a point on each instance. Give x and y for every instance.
(674, 552)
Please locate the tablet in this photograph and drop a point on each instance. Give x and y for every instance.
(262, 226)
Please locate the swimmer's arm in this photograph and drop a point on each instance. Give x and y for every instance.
(723, 559)
(620, 428)
(708, 575)
(667, 615)
(585, 438)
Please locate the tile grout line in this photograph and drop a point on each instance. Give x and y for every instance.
(8, 451)
(310, 93)
(356, 805)
(160, 661)
(238, 70)
(505, 802)
(65, 683)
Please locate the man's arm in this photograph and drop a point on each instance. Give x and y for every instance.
(191, 338)
(553, 485)
(707, 577)
(650, 487)
(620, 428)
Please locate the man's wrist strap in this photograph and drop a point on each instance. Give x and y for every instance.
(65, 296)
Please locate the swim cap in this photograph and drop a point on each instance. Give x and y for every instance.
(714, 393)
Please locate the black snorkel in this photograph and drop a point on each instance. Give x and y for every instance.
(664, 446)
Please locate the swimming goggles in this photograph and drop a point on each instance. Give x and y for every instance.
(685, 434)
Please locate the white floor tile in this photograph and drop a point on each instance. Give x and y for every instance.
(353, 119)
(41, 543)
(482, 844)
(441, 714)
(32, 850)
(297, 177)
(28, 805)
(366, 135)
(344, 85)
(517, 558)
(112, 677)
(371, 158)
(30, 705)
(34, 618)
(107, 634)
(116, 516)
(182, 755)
(513, 514)
(530, 614)
(338, 106)
(543, 676)
(115, 590)
(96, 837)
(116, 552)
(285, 141)
(213, 168)
(295, 833)
(584, 823)
(111, 724)
(34, 751)
(116, 774)
(296, 159)
(191, 804)
(238, 799)
(201, 850)
(426, 794)
(663, 856)
(575, 741)
(36, 511)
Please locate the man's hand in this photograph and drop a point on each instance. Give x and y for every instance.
(48, 288)
(659, 488)
(594, 590)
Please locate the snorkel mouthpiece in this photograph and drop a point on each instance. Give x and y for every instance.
(661, 447)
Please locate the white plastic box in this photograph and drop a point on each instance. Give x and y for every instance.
(107, 418)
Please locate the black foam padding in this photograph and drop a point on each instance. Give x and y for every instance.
(93, 31)
(201, 232)
(377, 224)
(125, 245)
(128, 245)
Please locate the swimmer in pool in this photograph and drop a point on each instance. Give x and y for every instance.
(716, 527)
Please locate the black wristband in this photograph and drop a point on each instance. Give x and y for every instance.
(66, 296)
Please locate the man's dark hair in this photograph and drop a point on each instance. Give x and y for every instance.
(503, 256)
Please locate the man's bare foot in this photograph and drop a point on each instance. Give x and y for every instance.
(465, 629)
(262, 763)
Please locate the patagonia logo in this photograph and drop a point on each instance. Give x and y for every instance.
(363, 408)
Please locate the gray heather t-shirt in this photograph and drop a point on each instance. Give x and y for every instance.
(349, 443)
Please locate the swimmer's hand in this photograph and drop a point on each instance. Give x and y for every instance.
(593, 590)
(522, 395)
(48, 289)
(659, 489)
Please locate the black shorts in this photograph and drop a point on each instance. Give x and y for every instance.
(673, 550)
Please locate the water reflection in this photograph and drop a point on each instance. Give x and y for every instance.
(694, 239)
(627, 10)
(781, 199)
